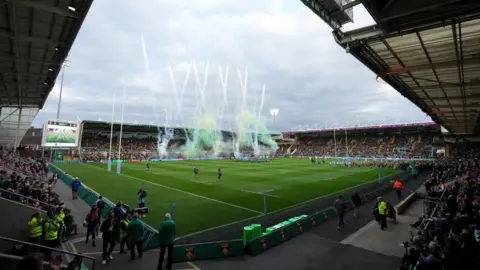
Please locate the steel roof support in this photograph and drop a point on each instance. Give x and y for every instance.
(13, 25)
(343, 38)
(432, 65)
(29, 61)
(17, 142)
(403, 65)
(351, 4)
(459, 56)
(51, 43)
(8, 115)
(446, 85)
(55, 10)
(433, 69)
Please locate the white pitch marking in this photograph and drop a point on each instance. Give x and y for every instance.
(276, 211)
(185, 192)
(201, 182)
(259, 193)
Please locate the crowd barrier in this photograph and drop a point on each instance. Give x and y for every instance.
(150, 239)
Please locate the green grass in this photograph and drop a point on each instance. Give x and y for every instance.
(208, 202)
(61, 138)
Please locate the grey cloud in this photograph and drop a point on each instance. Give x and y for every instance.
(309, 78)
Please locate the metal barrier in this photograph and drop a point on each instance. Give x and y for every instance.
(16, 197)
(37, 247)
(427, 220)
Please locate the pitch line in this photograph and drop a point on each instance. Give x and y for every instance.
(260, 193)
(279, 210)
(185, 192)
(202, 182)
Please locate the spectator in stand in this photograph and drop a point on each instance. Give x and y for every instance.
(448, 235)
(25, 180)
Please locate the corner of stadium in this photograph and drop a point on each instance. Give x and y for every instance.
(269, 211)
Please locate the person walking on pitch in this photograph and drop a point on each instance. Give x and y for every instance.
(219, 173)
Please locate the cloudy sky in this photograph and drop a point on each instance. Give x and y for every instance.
(148, 50)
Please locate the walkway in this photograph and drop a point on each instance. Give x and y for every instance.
(388, 242)
(78, 207)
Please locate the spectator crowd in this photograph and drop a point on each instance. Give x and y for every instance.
(419, 146)
(27, 180)
(447, 237)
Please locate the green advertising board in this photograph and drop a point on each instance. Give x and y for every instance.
(208, 251)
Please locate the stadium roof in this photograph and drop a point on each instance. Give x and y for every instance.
(36, 38)
(435, 65)
(431, 125)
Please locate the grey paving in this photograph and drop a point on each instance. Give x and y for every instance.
(78, 207)
(387, 242)
(308, 252)
(329, 230)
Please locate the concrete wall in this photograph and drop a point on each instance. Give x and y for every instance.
(14, 219)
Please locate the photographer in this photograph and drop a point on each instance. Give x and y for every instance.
(142, 194)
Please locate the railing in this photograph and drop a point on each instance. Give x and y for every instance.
(31, 246)
(16, 197)
(426, 221)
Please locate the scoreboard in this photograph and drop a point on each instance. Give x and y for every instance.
(58, 133)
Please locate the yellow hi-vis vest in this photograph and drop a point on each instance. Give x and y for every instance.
(122, 232)
(382, 208)
(51, 230)
(35, 225)
(59, 218)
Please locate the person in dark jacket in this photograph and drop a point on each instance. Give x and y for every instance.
(340, 207)
(118, 214)
(91, 222)
(108, 238)
(357, 201)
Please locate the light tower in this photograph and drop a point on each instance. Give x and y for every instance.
(65, 64)
(274, 114)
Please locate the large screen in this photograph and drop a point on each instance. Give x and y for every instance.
(58, 133)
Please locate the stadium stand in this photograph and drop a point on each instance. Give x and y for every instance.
(448, 235)
(140, 142)
(407, 141)
(31, 59)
